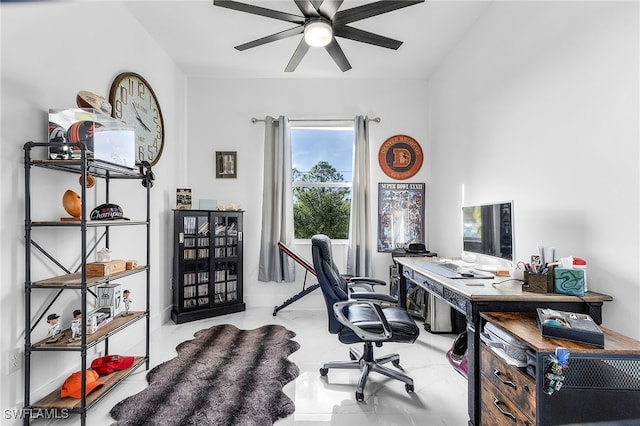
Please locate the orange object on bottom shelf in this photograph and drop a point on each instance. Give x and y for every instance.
(53, 400)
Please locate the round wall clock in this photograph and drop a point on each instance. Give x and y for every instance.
(400, 157)
(135, 103)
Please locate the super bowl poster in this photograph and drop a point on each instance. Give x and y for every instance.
(401, 219)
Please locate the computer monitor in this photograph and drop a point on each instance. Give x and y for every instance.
(487, 230)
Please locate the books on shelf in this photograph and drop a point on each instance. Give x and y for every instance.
(183, 199)
(570, 326)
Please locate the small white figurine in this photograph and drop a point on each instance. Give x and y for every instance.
(76, 325)
(127, 301)
(54, 333)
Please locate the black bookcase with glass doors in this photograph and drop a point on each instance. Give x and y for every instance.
(207, 264)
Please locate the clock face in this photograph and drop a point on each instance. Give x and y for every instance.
(134, 102)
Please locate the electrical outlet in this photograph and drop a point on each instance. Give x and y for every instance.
(14, 361)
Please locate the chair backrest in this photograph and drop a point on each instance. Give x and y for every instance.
(333, 286)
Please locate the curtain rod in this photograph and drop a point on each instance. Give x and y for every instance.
(375, 119)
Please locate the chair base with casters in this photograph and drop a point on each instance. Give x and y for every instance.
(366, 363)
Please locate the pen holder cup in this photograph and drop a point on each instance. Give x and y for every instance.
(538, 283)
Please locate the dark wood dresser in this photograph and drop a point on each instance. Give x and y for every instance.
(600, 385)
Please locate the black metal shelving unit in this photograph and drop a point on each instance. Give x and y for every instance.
(78, 281)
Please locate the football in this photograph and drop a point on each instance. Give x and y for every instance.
(85, 99)
(90, 181)
(72, 203)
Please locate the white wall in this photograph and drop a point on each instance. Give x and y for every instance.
(539, 104)
(219, 120)
(49, 53)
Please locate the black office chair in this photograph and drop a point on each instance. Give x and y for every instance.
(363, 317)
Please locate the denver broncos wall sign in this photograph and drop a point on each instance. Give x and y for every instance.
(400, 157)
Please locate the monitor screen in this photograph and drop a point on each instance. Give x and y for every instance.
(487, 229)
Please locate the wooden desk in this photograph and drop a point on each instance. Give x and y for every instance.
(497, 295)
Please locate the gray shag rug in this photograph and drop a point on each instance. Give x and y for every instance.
(224, 376)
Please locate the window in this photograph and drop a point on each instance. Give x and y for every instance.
(322, 161)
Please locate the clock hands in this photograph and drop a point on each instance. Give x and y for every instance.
(140, 119)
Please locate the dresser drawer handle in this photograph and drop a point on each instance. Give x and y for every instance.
(496, 402)
(505, 382)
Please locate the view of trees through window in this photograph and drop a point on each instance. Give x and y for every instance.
(322, 170)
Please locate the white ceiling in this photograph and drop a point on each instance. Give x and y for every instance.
(200, 38)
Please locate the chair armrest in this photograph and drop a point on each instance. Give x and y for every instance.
(374, 296)
(364, 334)
(368, 280)
(364, 283)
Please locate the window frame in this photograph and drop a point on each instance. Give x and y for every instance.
(324, 125)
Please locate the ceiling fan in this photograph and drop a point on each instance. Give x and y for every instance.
(321, 24)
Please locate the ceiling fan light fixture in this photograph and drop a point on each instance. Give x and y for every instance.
(318, 33)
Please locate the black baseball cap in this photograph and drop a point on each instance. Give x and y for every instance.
(52, 317)
(107, 211)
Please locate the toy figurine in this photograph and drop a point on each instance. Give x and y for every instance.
(76, 325)
(127, 301)
(54, 333)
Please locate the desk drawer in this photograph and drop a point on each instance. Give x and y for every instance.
(408, 273)
(499, 410)
(510, 381)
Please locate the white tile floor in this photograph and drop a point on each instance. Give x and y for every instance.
(440, 396)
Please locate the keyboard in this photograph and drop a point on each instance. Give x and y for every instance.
(452, 271)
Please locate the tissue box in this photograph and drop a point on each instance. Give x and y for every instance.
(106, 139)
(110, 296)
(569, 281)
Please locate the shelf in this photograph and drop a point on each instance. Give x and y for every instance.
(53, 400)
(75, 280)
(525, 328)
(94, 167)
(89, 223)
(114, 326)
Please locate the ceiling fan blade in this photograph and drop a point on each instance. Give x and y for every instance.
(262, 11)
(301, 50)
(371, 9)
(307, 8)
(338, 56)
(366, 37)
(273, 37)
(329, 8)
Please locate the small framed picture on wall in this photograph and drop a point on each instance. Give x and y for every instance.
(226, 164)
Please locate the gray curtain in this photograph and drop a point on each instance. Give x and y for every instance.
(277, 203)
(358, 252)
